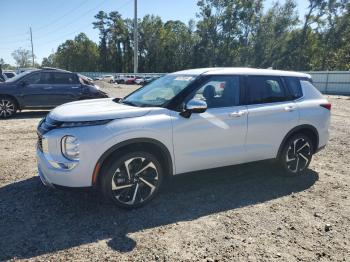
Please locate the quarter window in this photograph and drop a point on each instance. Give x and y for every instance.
(220, 91)
(294, 86)
(265, 89)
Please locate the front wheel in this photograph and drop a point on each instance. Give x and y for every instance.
(8, 107)
(296, 154)
(132, 180)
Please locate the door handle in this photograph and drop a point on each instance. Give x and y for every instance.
(289, 108)
(75, 87)
(49, 87)
(237, 113)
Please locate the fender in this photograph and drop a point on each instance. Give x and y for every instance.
(154, 142)
(296, 129)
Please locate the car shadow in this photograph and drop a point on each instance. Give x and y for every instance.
(30, 114)
(36, 220)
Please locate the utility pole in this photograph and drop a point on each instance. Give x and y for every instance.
(136, 40)
(31, 40)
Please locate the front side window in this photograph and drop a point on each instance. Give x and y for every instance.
(34, 79)
(64, 79)
(265, 89)
(220, 91)
(160, 91)
(39, 79)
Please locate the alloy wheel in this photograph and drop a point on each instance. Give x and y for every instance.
(135, 181)
(7, 108)
(298, 155)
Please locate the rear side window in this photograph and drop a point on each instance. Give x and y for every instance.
(294, 86)
(265, 89)
(65, 78)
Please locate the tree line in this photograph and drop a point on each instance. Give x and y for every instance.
(225, 33)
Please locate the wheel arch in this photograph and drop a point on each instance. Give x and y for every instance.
(13, 98)
(308, 130)
(148, 144)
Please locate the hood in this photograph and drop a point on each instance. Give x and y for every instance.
(6, 84)
(96, 109)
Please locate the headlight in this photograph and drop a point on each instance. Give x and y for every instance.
(84, 123)
(70, 148)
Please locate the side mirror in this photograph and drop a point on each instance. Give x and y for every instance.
(194, 106)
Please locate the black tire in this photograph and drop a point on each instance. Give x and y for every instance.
(296, 155)
(120, 186)
(8, 107)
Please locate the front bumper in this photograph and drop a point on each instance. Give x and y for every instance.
(51, 175)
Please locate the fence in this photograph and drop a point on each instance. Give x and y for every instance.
(332, 82)
(328, 82)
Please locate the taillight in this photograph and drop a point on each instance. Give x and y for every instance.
(327, 106)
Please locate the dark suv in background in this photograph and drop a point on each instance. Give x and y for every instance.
(44, 88)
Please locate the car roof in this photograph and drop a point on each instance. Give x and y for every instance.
(240, 71)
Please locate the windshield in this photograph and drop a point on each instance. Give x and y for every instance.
(15, 78)
(160, 91)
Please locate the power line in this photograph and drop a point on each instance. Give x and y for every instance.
(80, 28)
(62, 16)
(62, 27)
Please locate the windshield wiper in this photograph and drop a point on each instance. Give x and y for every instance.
(127, 103)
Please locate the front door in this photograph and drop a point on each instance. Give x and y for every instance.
(216, 137)
(37, 90)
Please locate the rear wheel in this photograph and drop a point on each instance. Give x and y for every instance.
(8, 107)
(296, 154)
(132, 180)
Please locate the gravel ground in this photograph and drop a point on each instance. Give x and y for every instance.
(243, 213)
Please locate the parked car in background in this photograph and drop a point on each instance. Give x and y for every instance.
(44, 88)
(24, 69)
(123, 79)
(108, 78)
(139, 80)
(149, 80)
(183, 122)
(130, 80)
(9, 74)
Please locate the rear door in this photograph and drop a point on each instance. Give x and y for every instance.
(65, 88)
(271, 115)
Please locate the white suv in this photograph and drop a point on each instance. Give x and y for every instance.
(183, 122)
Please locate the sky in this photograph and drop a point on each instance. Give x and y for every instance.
(54, 21)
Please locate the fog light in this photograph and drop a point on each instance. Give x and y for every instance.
(45, 145)
(70, 148)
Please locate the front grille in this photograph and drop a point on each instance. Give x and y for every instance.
(40, 142)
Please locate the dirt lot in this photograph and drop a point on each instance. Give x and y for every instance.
(245, 213)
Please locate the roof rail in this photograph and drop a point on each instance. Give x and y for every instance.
(54, 69)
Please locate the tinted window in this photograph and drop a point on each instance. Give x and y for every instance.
(39, 79)
(9, 75)
(220, 91)
(64, 78)
(33, 79)
(265, 89)
(45, 78)
(294, 86)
